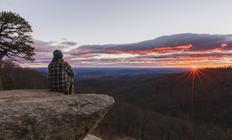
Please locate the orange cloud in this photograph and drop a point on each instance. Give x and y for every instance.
(169, 51)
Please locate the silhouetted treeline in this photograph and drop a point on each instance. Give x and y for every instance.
(15, 77)
(126, 120)
(206, 108)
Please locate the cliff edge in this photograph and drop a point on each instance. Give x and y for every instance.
(44, 115)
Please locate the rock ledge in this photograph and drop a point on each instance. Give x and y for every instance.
(44, 115)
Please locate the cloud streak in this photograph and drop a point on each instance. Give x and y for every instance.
(182, 50)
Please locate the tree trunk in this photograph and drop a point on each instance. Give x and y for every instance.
(1, 56)
(1, 87)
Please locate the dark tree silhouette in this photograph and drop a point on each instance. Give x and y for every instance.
(15, 37)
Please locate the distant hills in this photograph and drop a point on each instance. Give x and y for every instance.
(93, 73)
(151, 107)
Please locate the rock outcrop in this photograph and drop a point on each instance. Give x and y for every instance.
(44, 115)
(91, 137)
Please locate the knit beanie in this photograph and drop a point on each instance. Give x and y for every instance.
(57, 54)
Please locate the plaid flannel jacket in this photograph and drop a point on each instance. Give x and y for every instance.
(60, 74)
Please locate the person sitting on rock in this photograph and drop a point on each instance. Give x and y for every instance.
(60, 74)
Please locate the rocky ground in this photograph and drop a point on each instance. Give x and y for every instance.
(92, 137)
(44, 115)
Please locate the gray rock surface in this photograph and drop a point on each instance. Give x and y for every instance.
(44, 115)
(91, 137)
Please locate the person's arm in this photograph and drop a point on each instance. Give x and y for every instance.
(69, 70)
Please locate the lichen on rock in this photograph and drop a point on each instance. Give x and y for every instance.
(44, 115)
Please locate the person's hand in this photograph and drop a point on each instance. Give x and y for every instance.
(71, 74)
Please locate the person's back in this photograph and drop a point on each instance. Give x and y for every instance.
(60, 74)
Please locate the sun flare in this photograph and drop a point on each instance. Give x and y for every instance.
(194, 67)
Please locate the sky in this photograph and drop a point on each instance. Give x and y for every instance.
(71, 24)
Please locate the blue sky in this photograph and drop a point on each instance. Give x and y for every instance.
(121, 21)
(69, 24)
